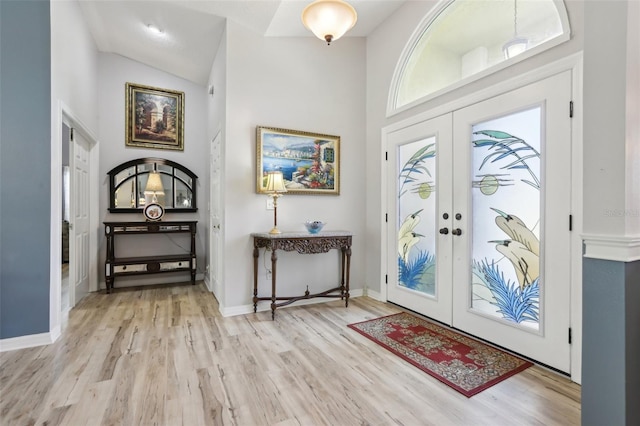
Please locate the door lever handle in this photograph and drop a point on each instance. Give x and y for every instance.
(444, 231)
(457, 231)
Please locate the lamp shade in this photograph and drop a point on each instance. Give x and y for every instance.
(154, 183)
(275, 183)
(329, 19)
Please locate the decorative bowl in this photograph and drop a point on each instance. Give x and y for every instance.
(314, 226)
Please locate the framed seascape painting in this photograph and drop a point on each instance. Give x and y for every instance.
(154, 117)
(309, 162)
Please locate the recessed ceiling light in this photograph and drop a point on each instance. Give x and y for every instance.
(155, 30)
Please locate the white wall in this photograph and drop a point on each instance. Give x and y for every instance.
(114, 72)
(633, 120)
(300, 84)
(74, 87)
(74, 64)
(605, 103)
(384, 47)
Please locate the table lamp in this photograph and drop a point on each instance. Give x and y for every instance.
(154, 185)
(275, 188)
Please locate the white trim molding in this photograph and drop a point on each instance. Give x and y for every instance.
(380, 297)
(611, 247)
(30, 341)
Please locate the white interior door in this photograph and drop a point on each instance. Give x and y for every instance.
(215, 213)
(419, 204)
(79, 226)
(496, 176)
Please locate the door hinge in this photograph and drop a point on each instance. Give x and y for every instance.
(386, 279)
(386, 156)
(570, 109)
(71, 134)
(570, 222)
(570, 337)
(386, 217)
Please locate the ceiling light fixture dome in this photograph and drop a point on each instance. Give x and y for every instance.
(155, 30)
(517, 44)
(329, 19)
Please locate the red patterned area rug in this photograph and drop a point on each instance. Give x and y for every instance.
(465, 364)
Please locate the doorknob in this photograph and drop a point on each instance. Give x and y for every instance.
(457, 231)
(444, 231)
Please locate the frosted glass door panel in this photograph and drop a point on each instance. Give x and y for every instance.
(506, 217)
(416, 225)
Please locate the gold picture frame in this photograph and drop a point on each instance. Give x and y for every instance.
(309, 162)
(154, 117)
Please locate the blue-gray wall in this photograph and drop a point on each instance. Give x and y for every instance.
(611, 343)
(632, 341)
(25, 167)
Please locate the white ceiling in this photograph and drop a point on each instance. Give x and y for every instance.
(192, 28)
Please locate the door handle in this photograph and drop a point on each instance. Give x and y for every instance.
(457, 231)
(444, 231)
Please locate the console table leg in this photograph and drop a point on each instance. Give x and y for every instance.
(256, 253)
(343, 255)
(346, 299)
(274, 261)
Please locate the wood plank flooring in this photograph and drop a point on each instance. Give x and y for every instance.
(165, 356)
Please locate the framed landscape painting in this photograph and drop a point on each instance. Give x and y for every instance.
(309, 162)
(154, 117)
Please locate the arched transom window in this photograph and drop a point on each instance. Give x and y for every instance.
(462, 40)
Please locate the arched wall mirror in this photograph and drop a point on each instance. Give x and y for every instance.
(135, 183)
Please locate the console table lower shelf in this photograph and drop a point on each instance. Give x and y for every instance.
(116, 266)
(302, 243)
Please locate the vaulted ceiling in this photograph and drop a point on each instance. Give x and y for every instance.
(190, 30)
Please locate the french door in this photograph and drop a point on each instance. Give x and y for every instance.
(479, 202)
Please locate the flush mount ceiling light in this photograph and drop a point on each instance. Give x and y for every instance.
(155, 30)
(517, 44)
(329, 19)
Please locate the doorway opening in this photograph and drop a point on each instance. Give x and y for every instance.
(65, 200)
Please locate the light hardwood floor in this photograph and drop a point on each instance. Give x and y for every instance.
(165, 356)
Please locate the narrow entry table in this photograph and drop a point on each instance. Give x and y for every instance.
(303, 243)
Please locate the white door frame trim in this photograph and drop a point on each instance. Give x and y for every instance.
(65, 115)
(573, 63)
(218, 290)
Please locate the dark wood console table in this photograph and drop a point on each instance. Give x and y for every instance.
(303, 243)
(139, 265)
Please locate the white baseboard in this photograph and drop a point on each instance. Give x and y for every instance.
(265, 306)
(376, 295)
(207, 283)
(30, 341)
